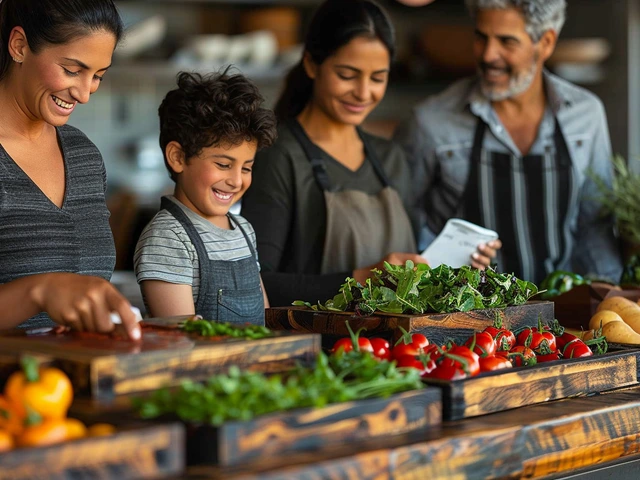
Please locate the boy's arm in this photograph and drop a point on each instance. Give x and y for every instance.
(264, 294)
(164, 299)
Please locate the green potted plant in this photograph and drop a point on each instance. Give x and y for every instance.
(622, 199)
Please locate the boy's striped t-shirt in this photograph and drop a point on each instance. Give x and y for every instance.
(165, 251)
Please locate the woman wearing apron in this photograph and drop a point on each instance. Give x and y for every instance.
(329, 200)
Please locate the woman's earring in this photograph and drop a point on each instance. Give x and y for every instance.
(17, 60)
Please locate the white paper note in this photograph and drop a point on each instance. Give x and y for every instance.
(456, 243)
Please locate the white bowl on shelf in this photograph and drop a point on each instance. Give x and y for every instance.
(580, 51)
(142, 36)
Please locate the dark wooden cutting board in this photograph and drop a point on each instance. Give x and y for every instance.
(101, 366)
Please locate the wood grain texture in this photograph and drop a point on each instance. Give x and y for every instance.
(373, 465)
(312, 429)
(103, 375)
(577, 439)
(485, 454)
(438, 327)
(143, 452)
(512, 388)
(537, 441)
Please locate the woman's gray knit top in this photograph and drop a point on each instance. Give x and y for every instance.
(36, 236)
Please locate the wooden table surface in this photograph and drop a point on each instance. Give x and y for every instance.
(540, 441)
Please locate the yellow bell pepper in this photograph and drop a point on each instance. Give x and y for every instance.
(39, 393)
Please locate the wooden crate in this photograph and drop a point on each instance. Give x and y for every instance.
(313, 429)
(140, 452)
(511, 388)
(104, 368)
(438, 327)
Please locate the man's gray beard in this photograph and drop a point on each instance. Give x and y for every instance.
(517, 86)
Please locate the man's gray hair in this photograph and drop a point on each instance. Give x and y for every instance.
(539, 15)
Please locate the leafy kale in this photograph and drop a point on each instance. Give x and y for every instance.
(413, 288)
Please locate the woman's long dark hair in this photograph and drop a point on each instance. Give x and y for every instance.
(334, 24)
(54, 22)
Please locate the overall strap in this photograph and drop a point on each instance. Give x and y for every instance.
(194, 236)
(244, 234)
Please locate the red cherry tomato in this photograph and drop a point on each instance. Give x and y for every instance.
(346, 345)
(404, 350)
(446, 372)
(494, 362)
(505, 340)
(483, 344)
(551, 340)
(576, 349)
(381, 348)
(353, 342)
(424, 364)
(522, 356)
(564, 339)
(463, 358)
(549, 357)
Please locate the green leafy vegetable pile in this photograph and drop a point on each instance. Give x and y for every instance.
(413, 288)
(207, 328)
(244, 395)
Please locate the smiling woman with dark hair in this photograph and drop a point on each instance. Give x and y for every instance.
(56, 248)
(330, 200)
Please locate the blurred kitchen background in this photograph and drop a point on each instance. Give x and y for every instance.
(599, 49)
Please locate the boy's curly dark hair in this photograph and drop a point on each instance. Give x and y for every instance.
(211, 110)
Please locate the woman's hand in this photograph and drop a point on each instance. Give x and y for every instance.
(485, 254)
(396, 258)
(84, 303)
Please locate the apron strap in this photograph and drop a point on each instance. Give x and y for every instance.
(371, 154)
(315, 156)
(562, 149)
(473, 209)
(471, 202)
(194, 236)
(244, 234)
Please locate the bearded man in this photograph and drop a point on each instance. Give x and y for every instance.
(514, 149)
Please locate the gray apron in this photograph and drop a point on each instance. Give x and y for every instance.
(526, 200)
(230, 291)
(361, 228)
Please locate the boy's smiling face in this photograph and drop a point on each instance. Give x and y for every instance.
(210, 182)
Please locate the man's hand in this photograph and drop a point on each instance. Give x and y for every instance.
(485, 254)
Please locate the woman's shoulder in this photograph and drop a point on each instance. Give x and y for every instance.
(285, 148)
(75, 137)
(385, 148)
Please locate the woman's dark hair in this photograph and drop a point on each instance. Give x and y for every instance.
(334, 24)
(213, 110)
(54, 22)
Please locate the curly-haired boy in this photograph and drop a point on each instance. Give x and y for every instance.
(195, 256)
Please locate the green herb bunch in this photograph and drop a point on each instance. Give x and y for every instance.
(208, 328)
(622, 199)
(413, 288)
(242, 395)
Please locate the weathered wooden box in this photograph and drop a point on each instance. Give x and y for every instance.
(313, 429)
(139, 452)
(516, 387)
(103, 368)
(438, 327)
